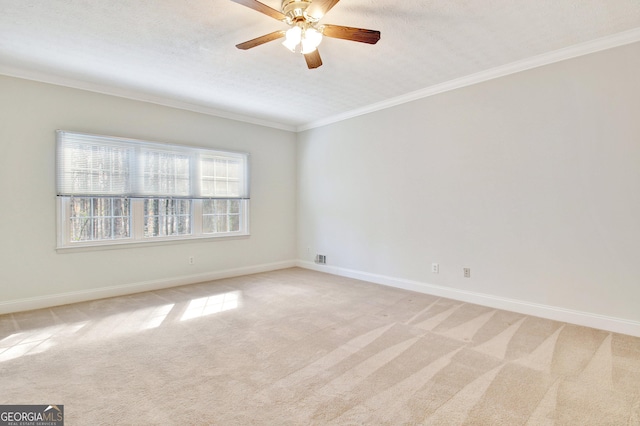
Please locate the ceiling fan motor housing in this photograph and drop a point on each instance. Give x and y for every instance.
(295, 10)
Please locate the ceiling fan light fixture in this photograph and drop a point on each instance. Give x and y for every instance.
(308, 39)
(293, 38)
(313, 36)
(307, 47)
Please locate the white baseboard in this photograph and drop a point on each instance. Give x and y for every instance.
(48, 301)
(602, 322)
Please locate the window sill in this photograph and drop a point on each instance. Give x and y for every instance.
(92, 246)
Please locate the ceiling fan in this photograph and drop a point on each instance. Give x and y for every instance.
(305, 33)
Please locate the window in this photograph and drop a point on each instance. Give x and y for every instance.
(221, 216)
(99, 218)
(118, 191)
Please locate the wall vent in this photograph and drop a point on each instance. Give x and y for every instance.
(321, 259)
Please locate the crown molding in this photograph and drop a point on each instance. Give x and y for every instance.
(609, 42)
(104, 89)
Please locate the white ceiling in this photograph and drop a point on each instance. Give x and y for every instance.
(182, 52)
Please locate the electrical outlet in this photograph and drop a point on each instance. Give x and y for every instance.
(192, 260)
(467, 272)
(435, 268)
(321, 259)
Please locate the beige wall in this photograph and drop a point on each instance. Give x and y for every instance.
(30, 113)
(531, 180)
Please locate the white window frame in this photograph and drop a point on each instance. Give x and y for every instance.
(136, 220)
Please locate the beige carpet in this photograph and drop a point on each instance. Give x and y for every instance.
(297, 347)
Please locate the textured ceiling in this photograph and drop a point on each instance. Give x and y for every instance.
(182, 52)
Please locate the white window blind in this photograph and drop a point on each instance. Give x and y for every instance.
(165, 173)
(91, 165)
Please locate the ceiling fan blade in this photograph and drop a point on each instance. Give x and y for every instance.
(319, 8)
(261, 40)
(313, 59)
(262, 8)
(354, 34)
